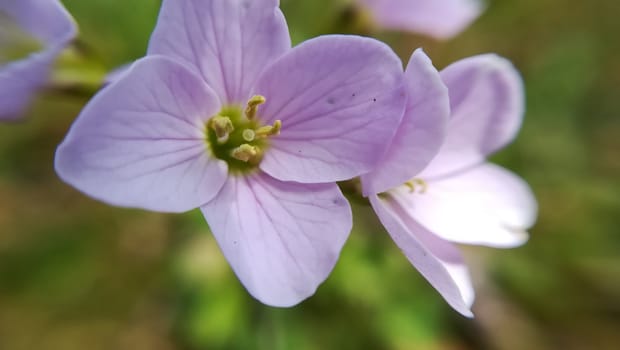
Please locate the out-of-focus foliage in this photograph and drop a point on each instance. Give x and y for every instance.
(78, 274)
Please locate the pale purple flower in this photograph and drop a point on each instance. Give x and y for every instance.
(441, 19)
(458, 197)
(32, 34)
(223, 115)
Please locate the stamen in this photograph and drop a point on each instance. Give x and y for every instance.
(269, 130)
(245, 152)
(422, 184)
(411, 184)
(222, 126)
(253, 103)
(240, 139)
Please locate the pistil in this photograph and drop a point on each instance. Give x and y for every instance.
(249, 135)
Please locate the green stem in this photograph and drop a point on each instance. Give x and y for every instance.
(352, 189)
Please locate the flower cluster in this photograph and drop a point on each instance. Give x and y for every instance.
(224, 115)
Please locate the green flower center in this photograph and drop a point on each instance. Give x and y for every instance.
(15, 43)
(238, 138)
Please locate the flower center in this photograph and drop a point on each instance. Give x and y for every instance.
(238, 138)
(416, 185)
(15, 43)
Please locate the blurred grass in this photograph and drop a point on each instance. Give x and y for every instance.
(77, 274)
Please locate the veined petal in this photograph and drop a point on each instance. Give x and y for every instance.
(441, 19)
(47, 24)
(437, 260)
(340, 100)
(487, 104)
(141, 142)
(421, 131)
(281, 239)
(229, 42)
(485, 205)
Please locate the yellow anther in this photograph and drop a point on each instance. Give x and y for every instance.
(269, 130)
(249, 135)
(253, 103)
(245, 152)
(422, 184)
(222, 126)
(411, 184)
(277, 126)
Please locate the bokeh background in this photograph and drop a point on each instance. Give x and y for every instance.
(78, 274)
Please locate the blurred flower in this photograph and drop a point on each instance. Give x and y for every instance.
(223, 115)
(458, 197)
(441, 19)
(32, 34)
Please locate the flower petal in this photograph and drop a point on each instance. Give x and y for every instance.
(229, 42)
(281, 239)
(487, 103)
(421, 131)
(116, 73)
(140, 141)
(485, 205)
(19, 81)
(340, 99)
(437, 260)
(441, 19)
(47, 22)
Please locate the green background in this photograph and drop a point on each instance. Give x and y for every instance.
(78, 274)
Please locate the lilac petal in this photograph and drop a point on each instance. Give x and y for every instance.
(116, 73)
(340, 99)
(441, 19)
(281, 239)
(229, 42)
(48, 22)
(485, 205)
(487, 102)
(437, 260)
(141, 142)
(19, 81)
(421, 131)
